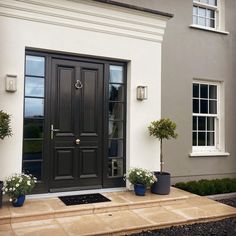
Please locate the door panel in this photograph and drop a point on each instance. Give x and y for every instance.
(76, 116)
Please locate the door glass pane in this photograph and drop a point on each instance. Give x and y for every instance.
(195, 106)
(115, 167)
(210, 123)
(116, 92)
(210, 139)
(116, 74)
(116, 111)
(212, 91)
(115, 129)
(34, 168)
(33, 128)
(115, 148)
(34, 86)
(34, 107)
(32, 149)
(212, 107)
(204, 106)
(201, 138)
(35, 66)
(201, 123)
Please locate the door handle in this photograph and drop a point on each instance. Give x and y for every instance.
(78, 84)
(53, 130)
(77, 141)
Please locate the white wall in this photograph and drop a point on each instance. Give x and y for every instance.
(130, 36)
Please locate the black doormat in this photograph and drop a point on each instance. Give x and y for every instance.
(84, 199)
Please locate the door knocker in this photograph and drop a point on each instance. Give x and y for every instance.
(78, 84)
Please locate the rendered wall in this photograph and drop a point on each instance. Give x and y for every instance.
(189, 53)
(96, 30)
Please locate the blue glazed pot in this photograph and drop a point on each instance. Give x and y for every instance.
(140, 189)
(19, 201)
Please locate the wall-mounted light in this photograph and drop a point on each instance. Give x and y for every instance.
(10, 83)
(142, 93)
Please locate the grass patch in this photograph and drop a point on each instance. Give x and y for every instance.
(209, 187)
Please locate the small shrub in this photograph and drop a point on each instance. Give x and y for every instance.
(5, 128)
(209, 187)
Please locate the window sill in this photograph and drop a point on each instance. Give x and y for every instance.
(209, 154)
(208, 29)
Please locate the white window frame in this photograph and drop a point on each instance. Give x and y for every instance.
(216, 9)
(219, 148)
(219, 17)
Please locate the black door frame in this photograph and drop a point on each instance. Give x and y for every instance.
(107, 182)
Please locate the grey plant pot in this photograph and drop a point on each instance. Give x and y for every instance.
(162, 186)
(1, 186)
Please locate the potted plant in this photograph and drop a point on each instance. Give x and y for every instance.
(17, 186)
(162, 129)
(141, 179)
(5, 131)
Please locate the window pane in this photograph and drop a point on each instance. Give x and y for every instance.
(212, 107)
(204, 106)
(35, 66)
(213, 2)
(115, 129)
(201, 138)
(210, 23)
(195, 20)
(115, 148)
(194, 122)
(195, 106)
(116, 111)
(34, 86)
(33, 128)
(210, 13)
(204, 91)
(34, 107)
(201, 21)
(194, 10)
(210, 139)
(204, 1)
(196, 90)
(116, 74)
(194, 138)
(212, 91)
(32, 149)
(201, 123)
(115, 167)
(116, 92)
(202, 12)
(34, 168)
(211, 123)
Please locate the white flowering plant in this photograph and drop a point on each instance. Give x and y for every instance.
(140, 176)
(18, 184)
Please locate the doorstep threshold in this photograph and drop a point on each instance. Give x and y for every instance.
(70, 193)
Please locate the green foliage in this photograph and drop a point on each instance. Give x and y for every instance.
(140, 176)
(209, 187)
(18, 184)
(163, 129)
(5, 129)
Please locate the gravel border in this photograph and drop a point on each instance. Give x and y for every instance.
(225, 227)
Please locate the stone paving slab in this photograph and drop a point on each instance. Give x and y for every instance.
(134, 215)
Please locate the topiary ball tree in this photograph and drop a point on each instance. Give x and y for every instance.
(162, 129)
(5, 128)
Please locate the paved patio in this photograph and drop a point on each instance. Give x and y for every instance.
(125, 214)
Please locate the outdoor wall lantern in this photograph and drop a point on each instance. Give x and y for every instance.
(142, 93)
(10, 83)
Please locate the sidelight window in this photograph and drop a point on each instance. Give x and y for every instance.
(116, 128)
(34, 115)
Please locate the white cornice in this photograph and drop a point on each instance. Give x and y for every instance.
(75, 15)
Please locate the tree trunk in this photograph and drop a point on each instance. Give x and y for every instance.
(161, 157)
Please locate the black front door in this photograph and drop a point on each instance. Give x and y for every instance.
(76, 123)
